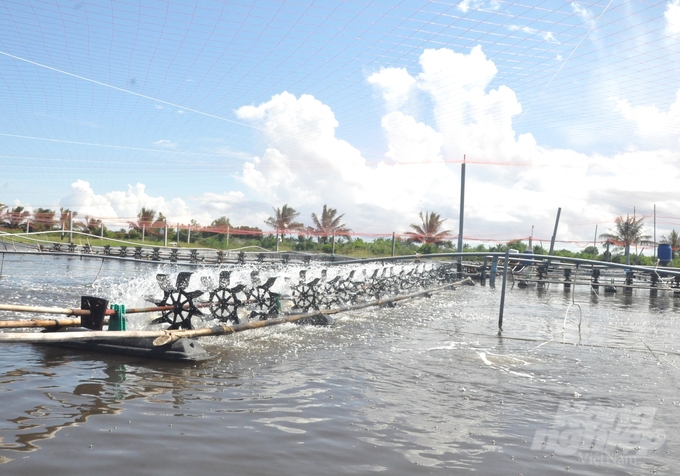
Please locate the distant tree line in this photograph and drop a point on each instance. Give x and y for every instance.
(328, 233)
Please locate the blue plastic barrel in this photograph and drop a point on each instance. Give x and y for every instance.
(665, 254)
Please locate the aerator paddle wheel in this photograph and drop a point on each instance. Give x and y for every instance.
(326, 295)
(305, 295)
(224, 301)
(182, 301)
(260, 302)
(347, 290)
(377, 286)
(262, 299)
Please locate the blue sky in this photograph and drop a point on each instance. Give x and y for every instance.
(202, 109)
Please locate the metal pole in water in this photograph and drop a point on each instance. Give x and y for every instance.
(494, 269)
(505, 278)
(482, 276)
(462, 216)
(557, 222)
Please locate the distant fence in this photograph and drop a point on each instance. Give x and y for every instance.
(162, 254)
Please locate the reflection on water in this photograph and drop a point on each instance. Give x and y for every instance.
(52, 392)
(427, 387)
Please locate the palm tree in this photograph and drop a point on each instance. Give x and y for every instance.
(43, 219)
(16, 216)
(627, 232)
(430, 232)
(283, 220)
(64, 215)
(328, 224)
(89, 225)
(145, 218)
(672, 239)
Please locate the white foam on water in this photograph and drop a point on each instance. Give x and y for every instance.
(505, 363)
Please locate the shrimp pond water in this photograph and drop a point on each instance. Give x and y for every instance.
(426, 387)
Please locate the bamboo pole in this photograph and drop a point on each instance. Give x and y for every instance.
(82, 312)
(49, 323)
(40, 323)
(47, 310)
(163, 337)
(38, 337)
(56, 323)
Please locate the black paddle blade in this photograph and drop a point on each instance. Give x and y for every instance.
(165, 283)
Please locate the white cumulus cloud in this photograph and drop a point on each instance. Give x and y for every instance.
(652, 122)
(512, 182)
(672, 15)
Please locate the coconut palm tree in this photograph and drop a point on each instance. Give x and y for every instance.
(672, 239)
(283, 220)
(43, 219)
(15, 217)
(328, 224)
(430, 232)
(64, 215)
(90, 225)
(627, 232)
(145, 218)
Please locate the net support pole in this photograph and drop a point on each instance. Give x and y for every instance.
(462, 217)
(552, 240)
(505, 278)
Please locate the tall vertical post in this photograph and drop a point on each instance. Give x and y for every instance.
(628, 247)
(595, 238)
(531, 239)
(189, 234)
(505, 278)
(394, 237)
(101, 231)
(70, 227)
(143, 229)
(552, 240)
(227, 235)
(482, 276)
(655, 231)
(494, 270)
(333, 243)
(165, 235)
(462, 216)
(28, 222)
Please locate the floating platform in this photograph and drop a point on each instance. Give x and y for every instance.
(182, 350)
